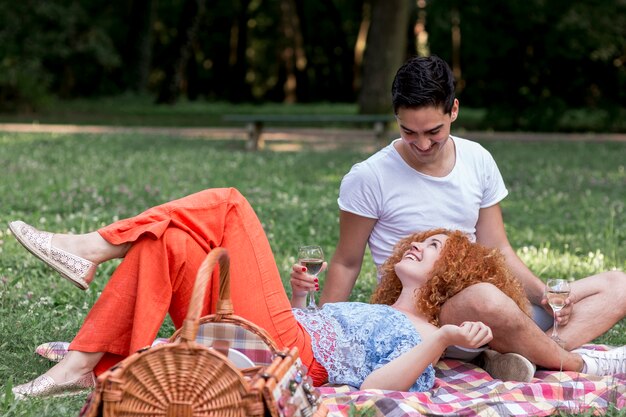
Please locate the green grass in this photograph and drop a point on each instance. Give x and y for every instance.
(565, 214)
(132, 110)
(141, 111)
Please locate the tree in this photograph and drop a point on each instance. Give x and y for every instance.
(59, 46)
(384, 53)
(327, 39)
(180, 50)
(527, 72)
(292, 54)
(239, 66)
(138, 52)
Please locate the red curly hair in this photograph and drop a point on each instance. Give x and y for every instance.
(460, 264)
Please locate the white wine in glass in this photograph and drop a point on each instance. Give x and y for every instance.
(557, 291)
(312, 257)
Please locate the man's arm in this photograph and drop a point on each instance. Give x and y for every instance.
(345, 265)
(490, 232)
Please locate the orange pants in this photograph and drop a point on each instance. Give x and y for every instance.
(170, 242)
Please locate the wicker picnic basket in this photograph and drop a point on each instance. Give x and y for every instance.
(185, 378)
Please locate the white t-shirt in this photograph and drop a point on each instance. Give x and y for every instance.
(404, 201)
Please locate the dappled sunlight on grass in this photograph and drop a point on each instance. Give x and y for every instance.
(547, 262)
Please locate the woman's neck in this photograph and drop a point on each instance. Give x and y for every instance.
(406, 302)
(406, 305)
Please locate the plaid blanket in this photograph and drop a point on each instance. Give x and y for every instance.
(241, 339)
(463, 389)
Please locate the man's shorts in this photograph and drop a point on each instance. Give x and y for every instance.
(541, 317)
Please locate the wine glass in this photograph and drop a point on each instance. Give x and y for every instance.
(557, 291)
(312, 257)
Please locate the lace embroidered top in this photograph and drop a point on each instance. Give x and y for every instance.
(351, 340)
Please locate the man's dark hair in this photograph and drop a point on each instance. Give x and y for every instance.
(423, 82)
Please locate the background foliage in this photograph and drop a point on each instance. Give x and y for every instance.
(527, 63)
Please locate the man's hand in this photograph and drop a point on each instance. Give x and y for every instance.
(563, 316)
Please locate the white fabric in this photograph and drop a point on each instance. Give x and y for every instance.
(403, 200)
(602, 363)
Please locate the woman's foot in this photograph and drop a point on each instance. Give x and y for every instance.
(73, 375)
(45, 386)
(75, 257)
(79, 271)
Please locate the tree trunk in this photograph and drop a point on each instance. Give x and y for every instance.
(359, 46)
(293, 56)
(343, 85)
(138, 53)
(192, 84)
(238, 54)
(384, 53)
(180, 50)
(303, 87)
(456, 48)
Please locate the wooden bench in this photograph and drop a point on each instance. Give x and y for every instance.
(256, 122)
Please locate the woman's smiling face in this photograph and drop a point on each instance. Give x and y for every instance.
(418, 261)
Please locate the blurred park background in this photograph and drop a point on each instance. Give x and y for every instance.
(530, 65)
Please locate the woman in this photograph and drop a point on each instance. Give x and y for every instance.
(365, 345)
(461, 265)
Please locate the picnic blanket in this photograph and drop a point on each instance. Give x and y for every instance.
(464, 389)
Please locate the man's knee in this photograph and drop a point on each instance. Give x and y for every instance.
(483, 301)
(615, 284)
(615, 279)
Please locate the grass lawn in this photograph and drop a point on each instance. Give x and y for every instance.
(133, 110)
(141, 111)
(565, 214)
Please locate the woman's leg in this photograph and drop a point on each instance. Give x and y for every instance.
(224, 218)
(154, 277)
(168, 244)
(90, 246)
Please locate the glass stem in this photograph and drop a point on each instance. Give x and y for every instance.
(555, 328)
(312, 304)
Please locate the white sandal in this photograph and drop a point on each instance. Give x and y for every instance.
(77, 270)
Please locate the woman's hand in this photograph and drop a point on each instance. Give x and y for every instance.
(470, 334)
(301, 283)
(402, 372)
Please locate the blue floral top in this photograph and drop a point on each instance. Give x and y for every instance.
(351, 340)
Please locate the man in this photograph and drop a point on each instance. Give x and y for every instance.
(429, 179)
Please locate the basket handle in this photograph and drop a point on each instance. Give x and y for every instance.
(190, 326)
